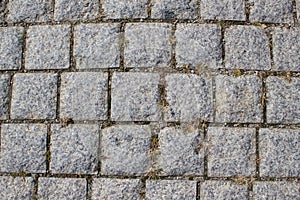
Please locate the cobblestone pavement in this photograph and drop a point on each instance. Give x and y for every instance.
(150, 99)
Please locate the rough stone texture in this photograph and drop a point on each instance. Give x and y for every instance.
(147, 45)
(298, 8)
(198, 45)
(118, 9)
(279, 152)
(283, 100)
(169, 9)
(23, 148)
(247, 47)
(270, 11)
(276, 190)
(105, 188)
(238, 99)
(34, 96)
(135, 97)
(2, 11)
(61, 188)
(48, 47)
(66, 10)
(29, 11)
(223, 10)
(97, 46)
(231, 152)
(198, 105)
(74, 149)
(124, 150)
(223, 190)
(4, 96)
(11, 47)
(286, 45)
(84, 95)
(17, 188)
(170, 189)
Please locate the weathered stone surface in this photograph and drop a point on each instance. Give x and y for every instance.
(97, 46)
(198, 45)
(231, 152)
(247, 47)
(135, 97)
(124, 150)
(2, 11)
(18, 188)
(298, 8)
(147, 45)
(283, 100)
(74, 149)
(34, 96)
(4, 96)
(84, 96)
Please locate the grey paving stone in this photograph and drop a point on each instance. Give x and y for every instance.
(280, 11)
(231, 152)
(238, 99)
(223, 10)
(189, 97)
(117, 9)
(74, 149)
(83, 95)
(105, 188)
(279, 152)
(23, 148)
(61, 188)
(247, 47)
(286, 45)
(48, 47)
(4, 96)
(210, 190)
(11, 47)
(97, 46)
(34, 96)
(29, 11)
(198, 45)
(276, 190)
(298, 8)
(168, 9)
(66, 10)
(18, 188)
(283, 100)
(170, 189)
(135, 97)
(147, 45)
(124, 150)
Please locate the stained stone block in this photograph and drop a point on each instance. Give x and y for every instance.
(4, 96)
(18, 188)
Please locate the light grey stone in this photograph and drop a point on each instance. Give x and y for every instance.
(189, 97)
(74, 149)
(23, 148)
(48, 47)
(17, 188)
(238, 99)
(4, 96)
(105, 188)
(124, 150)
(198, 45)
(61, 188)
(231, 152)
(283, 100)
(247, 47)
(135, 97)
(210, 190)
(66, 10)
(34, 96)
(170, 189)
(276, 190)
(147, 45)
(298, 9)
(83, 95)
(169, 9)
(97, 46)
(270, 11)
(286, 46)
(11, 47)
(279, 152)
(118, 9)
